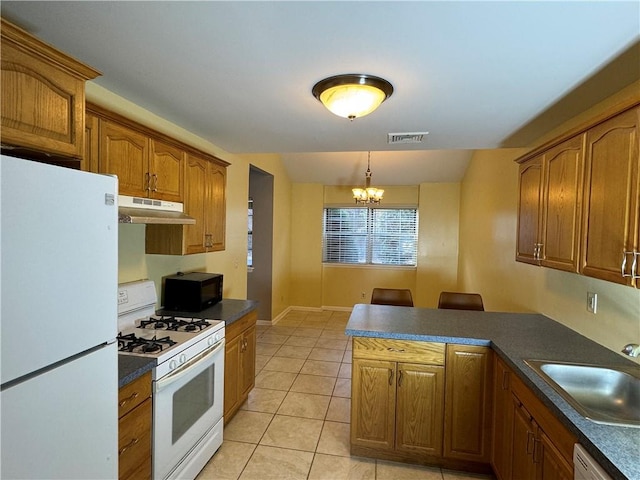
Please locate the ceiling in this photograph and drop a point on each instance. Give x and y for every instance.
(473, 74)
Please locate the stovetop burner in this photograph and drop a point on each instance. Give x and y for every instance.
(135, 344)
(174, 324)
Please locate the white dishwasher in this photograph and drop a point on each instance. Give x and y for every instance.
(585, 467)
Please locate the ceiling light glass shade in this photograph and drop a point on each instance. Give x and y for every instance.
(353, 95)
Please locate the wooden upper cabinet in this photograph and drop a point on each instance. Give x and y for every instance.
(91, 143)
(611, 211)
(125, 153)
(166, 171)
(216, 217)
(529, 206)
(196, 204)
(561, 205)
(42, 96)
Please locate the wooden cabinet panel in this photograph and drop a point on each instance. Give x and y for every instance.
(134, 429)
(467, 432)
(373, 403)
(523, 443)
(42, 95)
(240, 360)
(551, 463)
(503, 411)
(529, 205)
(216, 216)
(195, 204)
(91, 143)
(561, 205)
(125, 153)
(420, 408)
(166, 167)
(248, 361)
(612, 214)
(399, 350)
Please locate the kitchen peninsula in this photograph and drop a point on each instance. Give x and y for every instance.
(513, 338)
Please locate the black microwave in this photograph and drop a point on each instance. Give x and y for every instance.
(192, 292)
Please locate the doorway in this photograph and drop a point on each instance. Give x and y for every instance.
(260, 238)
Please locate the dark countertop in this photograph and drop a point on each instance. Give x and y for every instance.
(131, 367)
(515, 338)
(229, 310)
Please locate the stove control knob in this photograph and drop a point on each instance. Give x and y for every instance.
(211, 340)
(218, 337)
(183, 358)
(172, 364)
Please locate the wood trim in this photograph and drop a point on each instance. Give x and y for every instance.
(426, 353)
(582, 128)
(26, 42)
(106, 114)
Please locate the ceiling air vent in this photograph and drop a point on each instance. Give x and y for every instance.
(412, 137)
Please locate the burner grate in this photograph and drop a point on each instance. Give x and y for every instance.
(134, 344)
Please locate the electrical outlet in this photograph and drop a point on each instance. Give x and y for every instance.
(592, 302)
(362, 294)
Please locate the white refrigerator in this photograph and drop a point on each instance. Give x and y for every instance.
(58, 322)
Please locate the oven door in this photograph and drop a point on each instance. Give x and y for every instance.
(187, 403)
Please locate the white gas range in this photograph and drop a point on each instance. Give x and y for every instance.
(188, 379)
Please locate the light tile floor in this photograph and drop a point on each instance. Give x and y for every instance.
(295, 424)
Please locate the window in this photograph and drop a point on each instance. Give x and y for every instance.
(376, 236)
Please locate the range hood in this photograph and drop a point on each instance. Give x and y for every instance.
(149, 211)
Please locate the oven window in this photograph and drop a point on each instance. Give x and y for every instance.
(192, 401)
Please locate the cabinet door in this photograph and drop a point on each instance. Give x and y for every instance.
(524, 441)
(560, 236)
(467, 432)
(420, 408)
(611, 198)
(231, 368)
(502, 421)
(216, 208)
(373, 403)
(551, 464)
(125, 153)
(166, 166)
(529, 204)
(195, 204)
(134, 443)
(248, 361)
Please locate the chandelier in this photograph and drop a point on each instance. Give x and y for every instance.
(352, 95)
(368, 194)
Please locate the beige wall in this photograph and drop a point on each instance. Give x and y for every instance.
(314, 284)
(134, 264)
(487, 255)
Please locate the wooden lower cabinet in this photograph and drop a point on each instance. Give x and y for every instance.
(528, 441)
(239, 363)
(397, 400)
(467, 432)
(134, 429)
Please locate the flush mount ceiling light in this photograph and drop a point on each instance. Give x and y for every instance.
(352, 95)
(368, 194)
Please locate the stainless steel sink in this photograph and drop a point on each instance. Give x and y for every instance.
(609, 395)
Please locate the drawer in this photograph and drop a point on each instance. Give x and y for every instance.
(133, 394)
(399, 350)
(134, 442)
(240, 325)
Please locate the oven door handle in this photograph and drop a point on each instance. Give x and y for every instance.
(184, 369)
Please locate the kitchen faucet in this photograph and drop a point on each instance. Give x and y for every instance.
(631, 349)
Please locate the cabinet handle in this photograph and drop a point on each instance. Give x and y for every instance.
(530, 436)
(535, 251)
(208, 240)
(536, 442)
(399, 378)
(133, 396)
(390, 376)
(505, 380)
(148, 181)
(634, 265)
(397, 350)
(623, 267)
(128, 446)
(155, 182)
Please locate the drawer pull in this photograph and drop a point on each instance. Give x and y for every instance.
(399, 378)
(505, 380)
(530, 436)
(133, 396)
(128, 446)
(398, 350)
(390, 377)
